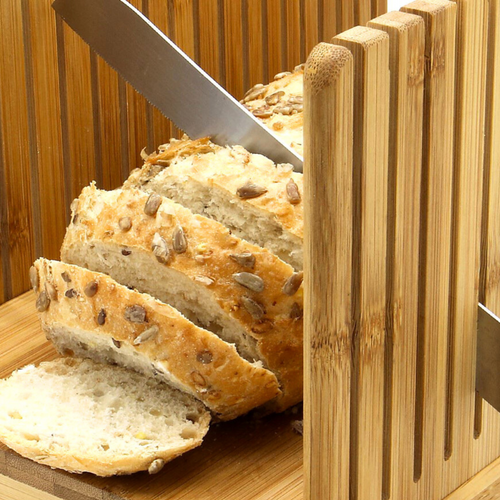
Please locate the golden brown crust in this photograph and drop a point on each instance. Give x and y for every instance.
(228, 168)
(203, 364)
(278, 331)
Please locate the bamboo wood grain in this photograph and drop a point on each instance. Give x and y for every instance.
(210, 59)
(18, 226)
(233, 48)
(294, 35)
(370, 49)
(434, 288)
(407, 42)
(275, 37)
(257, 57)
(363, 12)
(346, 15)
(379, 7)
(328, 19)
(311, 25)
(467, 199)
(328, 136)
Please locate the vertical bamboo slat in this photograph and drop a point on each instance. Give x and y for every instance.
(407, 42)
(257, 58)
(275, 36)
(363, 12)
(467, 199)
(233, 45)
(370, 49)
(294, 35)
(328, 18)
(18, 226)
(434, 288)
(208, 11)
(328, 135)
(311, 25)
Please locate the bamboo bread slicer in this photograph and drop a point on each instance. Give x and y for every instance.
(402, 229)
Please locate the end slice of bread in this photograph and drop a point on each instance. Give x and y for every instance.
(83, 416)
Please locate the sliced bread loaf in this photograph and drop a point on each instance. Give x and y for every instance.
(83, 416)
(89, 315)
(257, 200)
(240, 291)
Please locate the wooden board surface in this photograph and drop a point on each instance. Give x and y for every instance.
(245, 459)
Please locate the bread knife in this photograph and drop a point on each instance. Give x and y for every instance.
(147, 59)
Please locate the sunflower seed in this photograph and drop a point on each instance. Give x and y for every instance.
(146, 335)
(283, 110)
(125, 224)
(71, 293)
(179, 240)
(34, 278)
(42, 302)
(295, 99)
(245, 259)
(135, 314)
(281, 75)
(144, 155)
(101, 318)
(205, 357)
(116, 343)
(296, 312)
(91, 288)
(160, 249)
(152, 204)
(250, 281)
(198, 379)
(253, 307)
(256, 92)
(156, 466)
(292, 192)
(66, 277)
(274, 98)
(204, 280)
(126, 252)
(250, 190)
(299, 67)
(51, 291)
(262, 112)
(292, 284)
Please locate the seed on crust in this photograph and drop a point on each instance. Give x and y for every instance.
(292, 284)
(42, 302)
(256, 92)
(135, 314)
(275, 97)
(101, 319)
(34, 280)
(198, 379)
(283, 110)
(292, 192)
(254, 308)
(179, 240)
(156, 466)
(91, 288)
(281, 75)
(245, 259)
(204, 280)
(205, 357)
(148, 334)
(152, 204)
(66, 277)
(116, 343)
(295, 99)
(71, 293)
(125, 224)
(144, 155)
(296, 312)
(126, 252)
(299, 67)
(278, 125)
(160, 249)
(250, 281)
(51, 291)
(250, 190)
(263, 112)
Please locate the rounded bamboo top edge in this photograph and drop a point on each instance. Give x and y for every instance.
(429, 6)
(324, 65)
(402, 21)
(362, 36)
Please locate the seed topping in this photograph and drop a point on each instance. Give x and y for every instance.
(135, 314)
(125, 224)
(245, 259)
(126, 252)
(179, 240)
(101, 319)
(263, 112)
(91, 288)
(42, 302)
(116, 343)
(51, 291)
(205, 357)
(250, 190)
(204, 280)
(198, 379)
(296, 312)
(292, 192)
(66, 277)
(71, 293)
(156, 466)
(34, 280)
(292, 284)
(254, 308)
(152, 204)
(250, 281)
(274, 98)
(160, 249)
(281, 75)
(146, 335)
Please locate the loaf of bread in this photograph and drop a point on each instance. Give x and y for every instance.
(257, 200)
(242, 292)
(88, 314)
(83, 416)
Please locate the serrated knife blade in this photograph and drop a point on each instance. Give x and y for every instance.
(168, 78)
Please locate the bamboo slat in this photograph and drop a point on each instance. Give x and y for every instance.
(257, 56)
(467, 199)
(310, 21)
(294, 34)
(210, 58)
(346, 14)
(328, 134)
(18, 224)
(370, 49)
(434, 287)
(407, 42)
(328, 20)
(379, 7)
(233, 47)
(275, 35)
(363, 12)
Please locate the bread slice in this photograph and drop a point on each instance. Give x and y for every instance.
(83, 416)
(242, 292)
(89, 315)
(279, 105)
(257, 200)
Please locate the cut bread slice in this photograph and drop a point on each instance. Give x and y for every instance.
(83, 416)
(89, 315)
(242, 292)
(257, 200)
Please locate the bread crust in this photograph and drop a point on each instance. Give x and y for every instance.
(226, 383)
(278, 332)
